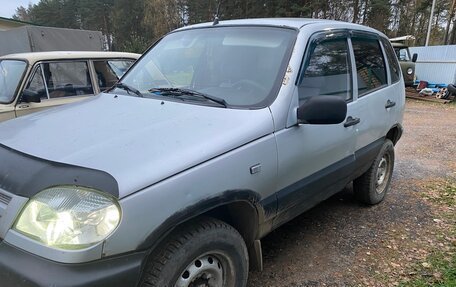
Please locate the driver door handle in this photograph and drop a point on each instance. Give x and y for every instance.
(389, 104)
(23, 106)
(351, 121)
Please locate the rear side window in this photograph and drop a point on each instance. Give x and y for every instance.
(370, 65)
(327, 70)
(392, 61)
(108, 72)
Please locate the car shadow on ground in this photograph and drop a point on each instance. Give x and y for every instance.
(319, 247)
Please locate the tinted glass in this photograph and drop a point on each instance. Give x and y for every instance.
(392, 61)
(370, 65)
(242, 65)
(66, 79)
(327, 70)
(11, 72)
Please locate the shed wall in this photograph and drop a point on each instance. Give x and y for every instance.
(436, 64)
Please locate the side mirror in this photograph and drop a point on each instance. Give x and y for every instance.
(414, 57)
(29, 96)
(322, 110)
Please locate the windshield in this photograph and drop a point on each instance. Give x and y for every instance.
(402, 54)
(243, 66)
(11, 72)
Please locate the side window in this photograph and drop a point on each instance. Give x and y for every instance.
(108, 72)
(370, 65)
(327, 70)
(392, 61)
(36, 84)
(67, 79)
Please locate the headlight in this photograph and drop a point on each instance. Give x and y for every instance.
(69, 217)
(409, 71)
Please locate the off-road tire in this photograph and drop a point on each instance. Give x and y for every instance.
(208, 238)
(366, 187)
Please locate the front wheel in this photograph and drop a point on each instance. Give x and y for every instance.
(204, 253)
(372, 186)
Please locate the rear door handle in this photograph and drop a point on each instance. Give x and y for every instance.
(351, 121)
(390, 104)
(23, 106)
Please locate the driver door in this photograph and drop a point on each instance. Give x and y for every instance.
(316, 161)
(55, 84)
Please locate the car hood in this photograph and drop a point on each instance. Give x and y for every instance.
(138, 141)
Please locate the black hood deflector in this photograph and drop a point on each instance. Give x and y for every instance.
(26, 175)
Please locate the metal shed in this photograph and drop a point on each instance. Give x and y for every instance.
(38, 39)
(436, 64)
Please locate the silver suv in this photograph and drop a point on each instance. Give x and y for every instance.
(216, 136)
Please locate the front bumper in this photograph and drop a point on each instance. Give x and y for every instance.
(21, 269)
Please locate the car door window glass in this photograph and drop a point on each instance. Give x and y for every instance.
(392, 61)
(66, 79)
(327, 70)
(36, 84)
(370, 65)
(11, 72)
(108, 72)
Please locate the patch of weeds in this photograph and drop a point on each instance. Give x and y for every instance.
(442, 193)
(439, 270)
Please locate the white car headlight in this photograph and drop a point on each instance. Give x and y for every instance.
(409, 71)
(69, 217)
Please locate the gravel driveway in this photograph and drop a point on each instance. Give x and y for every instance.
(343, 243)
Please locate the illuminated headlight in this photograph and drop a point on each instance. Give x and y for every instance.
(409, 71)
(69, 217)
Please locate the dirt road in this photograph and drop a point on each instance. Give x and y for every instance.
(343, 243)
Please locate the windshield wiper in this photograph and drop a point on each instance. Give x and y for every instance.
(186, 92)
(129, 89)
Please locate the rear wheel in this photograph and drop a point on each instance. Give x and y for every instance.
(372, 186)
(205, 253)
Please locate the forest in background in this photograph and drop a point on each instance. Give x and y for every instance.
(133, 25)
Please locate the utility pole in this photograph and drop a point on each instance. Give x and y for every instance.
(430, 23)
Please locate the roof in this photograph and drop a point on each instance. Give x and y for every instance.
(296, 23)
(59, 55)
(17, 21)
(399, 45)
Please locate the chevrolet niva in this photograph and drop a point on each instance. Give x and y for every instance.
(218, 135)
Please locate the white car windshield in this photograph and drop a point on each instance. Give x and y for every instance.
(11, 72)
(241, 66)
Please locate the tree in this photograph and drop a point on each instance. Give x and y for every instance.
(132, 25)
(379, 15)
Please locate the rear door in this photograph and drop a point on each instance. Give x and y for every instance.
(315, 161)
(377, 99)
(57, 83)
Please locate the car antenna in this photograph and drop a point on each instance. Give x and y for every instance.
(216, 17)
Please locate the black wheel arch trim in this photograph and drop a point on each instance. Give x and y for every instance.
(398, 135)
(203, 207)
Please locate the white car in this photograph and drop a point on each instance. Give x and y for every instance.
(34, 81)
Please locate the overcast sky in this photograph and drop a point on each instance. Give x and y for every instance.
(8, 7)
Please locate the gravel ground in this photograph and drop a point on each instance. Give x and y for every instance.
(343, 243)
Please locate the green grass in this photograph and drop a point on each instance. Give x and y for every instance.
(439, 269)
(440, 273)
(443, 193)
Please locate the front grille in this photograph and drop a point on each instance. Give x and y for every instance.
(5, 199)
